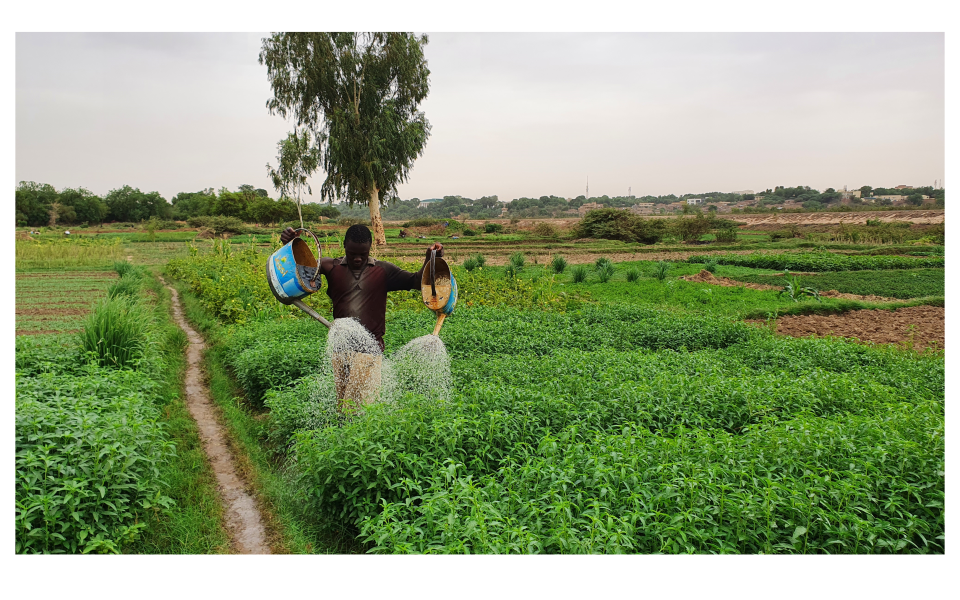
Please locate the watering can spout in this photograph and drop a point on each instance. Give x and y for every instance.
(439, 289)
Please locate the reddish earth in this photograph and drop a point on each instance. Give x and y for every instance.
(918, 327)
(69, 275)
(705, 276)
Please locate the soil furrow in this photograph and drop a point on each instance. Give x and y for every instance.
(243, 519)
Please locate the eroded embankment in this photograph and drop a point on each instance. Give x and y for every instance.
(243, 519)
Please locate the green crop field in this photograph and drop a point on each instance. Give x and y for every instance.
(594, 406)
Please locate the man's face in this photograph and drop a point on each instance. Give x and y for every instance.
(357, 254)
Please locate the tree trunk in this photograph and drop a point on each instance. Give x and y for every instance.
(379, 237)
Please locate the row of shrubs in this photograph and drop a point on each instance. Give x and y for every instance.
(89, 438)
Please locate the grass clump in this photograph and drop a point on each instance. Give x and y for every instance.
(558, 264)
(117, 332)
(518, 260)
(480, 260)
(660, 270)
(605, 273)
(633, 274)
(470, 264)
(579, 273)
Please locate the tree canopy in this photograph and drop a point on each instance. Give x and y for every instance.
(359, 94)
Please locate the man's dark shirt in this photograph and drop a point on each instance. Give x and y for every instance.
(363, 295)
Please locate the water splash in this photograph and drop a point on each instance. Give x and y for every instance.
(422, 367)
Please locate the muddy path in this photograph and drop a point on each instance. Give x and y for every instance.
(243, 519)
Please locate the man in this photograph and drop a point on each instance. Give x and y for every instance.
(358, 285)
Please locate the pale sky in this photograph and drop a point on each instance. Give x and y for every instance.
(512, 114)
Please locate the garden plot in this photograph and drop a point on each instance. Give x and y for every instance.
(917, 327)
(57, 302)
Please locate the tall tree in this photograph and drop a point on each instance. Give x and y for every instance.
(297, 159)
(359, 93)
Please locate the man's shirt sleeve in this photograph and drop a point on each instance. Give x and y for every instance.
(398, 279)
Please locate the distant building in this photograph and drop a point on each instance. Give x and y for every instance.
(588, 206)
(847, 194)
(694, 201)
(742, 192)
(426, 203)
(904, 187)
(642, 208)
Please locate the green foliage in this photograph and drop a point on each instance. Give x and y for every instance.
(795, 289)
(558, 264)
(480, 260)
(421, 222)
(117, 332)
(820, 261)
(297, 159)
(129, 285)
(633, 274)
(594, 451)
(493, 228)
(469, 232)
(710, 265)
(87, 456)
(615, 224)
(579, 273)
(545, 230)
(470, 264)
(690, 230)
(67, 253)
(517, 260)
(660, 270)
(605, 272)
(602, 262)
(913, 283)
(725, 235)
(218, 224)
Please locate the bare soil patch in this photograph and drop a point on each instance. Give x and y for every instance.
(60, 312)
(919, 327)
(45, 331)
(71, 275)
(925, 217)
(705, 276)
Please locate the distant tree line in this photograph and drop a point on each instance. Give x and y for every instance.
(39, 204)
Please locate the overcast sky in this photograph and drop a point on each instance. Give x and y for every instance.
(512, 114)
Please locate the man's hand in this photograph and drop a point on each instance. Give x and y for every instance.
(287, 234)
(436, 246)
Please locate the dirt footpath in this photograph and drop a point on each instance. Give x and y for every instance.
(916, 326)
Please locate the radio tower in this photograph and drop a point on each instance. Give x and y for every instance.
(588, 187)
(629, 192)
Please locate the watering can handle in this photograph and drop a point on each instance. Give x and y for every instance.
(433, 272)
(319, 252)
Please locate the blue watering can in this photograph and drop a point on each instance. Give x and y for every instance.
(439, 289)
(292, 274)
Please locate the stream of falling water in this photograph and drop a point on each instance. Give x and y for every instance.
(422, 367)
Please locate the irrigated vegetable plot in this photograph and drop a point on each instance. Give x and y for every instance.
(629, 412)
(51, 302)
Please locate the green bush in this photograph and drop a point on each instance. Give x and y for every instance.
(633, 274)
(469, 232)
(616, 224)
(579, 273)
(660, 270)
(558, 264)
(710, 265)
(605, 272)
(88, 451)
(517, 260)
(602, 262)
(421, 222)
(690, 230)
(470, 264)
(492, 228)
(117, 332)
(725, 235)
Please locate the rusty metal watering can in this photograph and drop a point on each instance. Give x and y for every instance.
(292, 274)
(439, 289)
